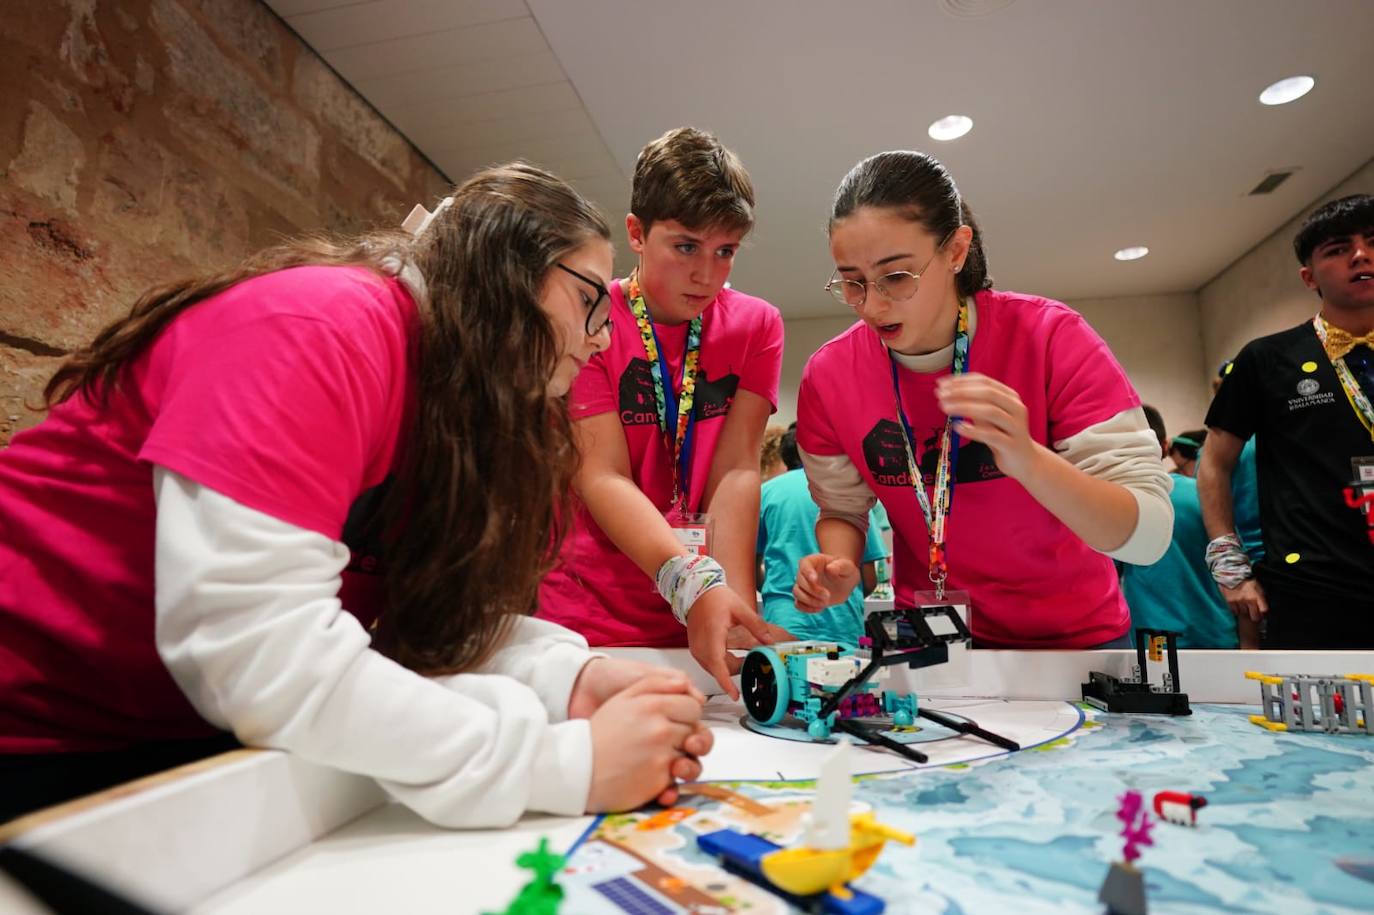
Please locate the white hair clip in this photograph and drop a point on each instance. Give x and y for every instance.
(420, 218)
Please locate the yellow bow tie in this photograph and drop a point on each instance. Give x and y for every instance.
(1339, 342)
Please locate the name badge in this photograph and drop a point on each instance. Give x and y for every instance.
(693, 530)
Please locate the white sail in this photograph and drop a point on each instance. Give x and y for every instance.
(828, 826)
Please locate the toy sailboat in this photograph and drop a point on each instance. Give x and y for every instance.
(837, 847)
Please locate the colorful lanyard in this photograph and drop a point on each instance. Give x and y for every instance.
(1364, 411)
(678, 438)
(936, 515)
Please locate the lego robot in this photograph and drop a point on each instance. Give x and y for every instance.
(831, 687)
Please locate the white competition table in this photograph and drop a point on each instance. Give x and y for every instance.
(259, 831)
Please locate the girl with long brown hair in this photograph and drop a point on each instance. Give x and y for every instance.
(235, 482)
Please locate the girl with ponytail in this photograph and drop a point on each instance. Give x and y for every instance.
(997, 429)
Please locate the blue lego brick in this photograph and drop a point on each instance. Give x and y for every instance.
(740, 849)
(740, 854)
(629, 898)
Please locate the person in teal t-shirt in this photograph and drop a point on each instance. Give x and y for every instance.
(1177, 592)
(787, 532)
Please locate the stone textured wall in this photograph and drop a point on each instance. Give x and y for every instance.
(144, 140)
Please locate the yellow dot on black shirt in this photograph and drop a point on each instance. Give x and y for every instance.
(1309, 366)
(1292, 558)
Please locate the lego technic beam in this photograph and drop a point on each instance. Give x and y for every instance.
(1331, 704)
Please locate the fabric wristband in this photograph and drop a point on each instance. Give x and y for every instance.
(1228, 562)
(682, 579)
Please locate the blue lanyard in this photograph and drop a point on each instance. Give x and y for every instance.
(918, 482)
(670, 418)
(936, 508)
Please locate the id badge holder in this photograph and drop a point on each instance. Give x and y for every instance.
(1359, 495)
(957, 673)
(693, 530)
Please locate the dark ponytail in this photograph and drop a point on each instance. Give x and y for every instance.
(917, 186)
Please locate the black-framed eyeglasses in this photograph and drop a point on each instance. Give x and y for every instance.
(897, 286)
(599, 312)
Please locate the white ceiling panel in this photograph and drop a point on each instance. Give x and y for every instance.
(541, 99)
(438, 87)
(577, 166)
(330, 26)
(512, 132)
(580, 145)
(1096, 125)
(467, 45)
(571, 158)
(286, 8)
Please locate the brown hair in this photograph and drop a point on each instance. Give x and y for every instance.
(771, 452)
(918, 187)
(1352, 215)
(687, 175)
(488, 461)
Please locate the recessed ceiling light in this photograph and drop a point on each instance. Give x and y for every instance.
(951, 127)
(1133, 253)
(1287, 90)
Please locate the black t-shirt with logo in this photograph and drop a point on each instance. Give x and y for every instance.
(1284, 390)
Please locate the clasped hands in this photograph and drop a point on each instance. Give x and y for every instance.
(647, 732)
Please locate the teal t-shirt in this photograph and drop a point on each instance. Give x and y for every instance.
(1178, 592)
(879, 514)
(787, 532)
(1245, 502)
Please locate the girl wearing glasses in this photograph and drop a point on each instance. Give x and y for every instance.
(996, 428)
(237, 480)
(669, 421)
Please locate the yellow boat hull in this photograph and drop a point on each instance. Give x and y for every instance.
(804, 871)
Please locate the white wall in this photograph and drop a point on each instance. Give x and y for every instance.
(1260, 293)
(1158, 341)
(803, 337)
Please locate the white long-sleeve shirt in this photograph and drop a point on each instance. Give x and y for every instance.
(250, 625)
(1121, 450)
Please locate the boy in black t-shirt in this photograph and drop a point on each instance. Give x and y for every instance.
(1306, 393)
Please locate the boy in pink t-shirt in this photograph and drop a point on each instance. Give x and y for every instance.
(669, 420)
(1035, 464)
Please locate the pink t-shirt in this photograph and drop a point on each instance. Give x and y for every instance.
(286, 393)
(1032, 581)
(596, 590)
